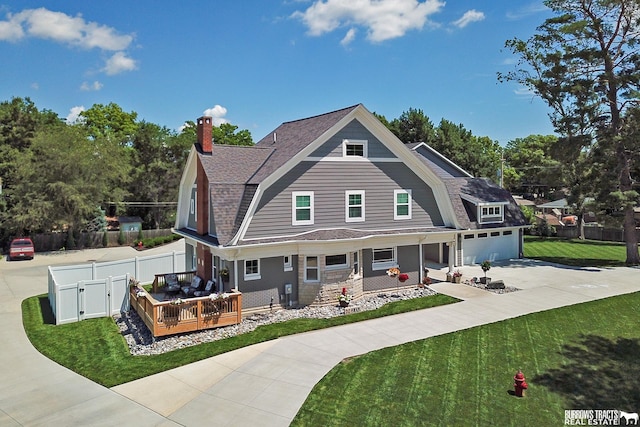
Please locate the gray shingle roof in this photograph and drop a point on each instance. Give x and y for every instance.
(292, 137)
(478, 190)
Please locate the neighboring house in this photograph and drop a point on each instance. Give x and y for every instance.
(558, 207)
(334, 201)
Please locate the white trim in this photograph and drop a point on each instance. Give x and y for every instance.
(491, 218)
(354, 159)
(288, 264)
(294, 208)
(348, 193)
(252, 276)
(362, 142)
(395, 204)
(337, 266)
(384, 265)
(317, 268)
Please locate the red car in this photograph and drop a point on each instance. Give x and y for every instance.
(21, 248)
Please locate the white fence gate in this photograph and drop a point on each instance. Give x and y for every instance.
(86, 291)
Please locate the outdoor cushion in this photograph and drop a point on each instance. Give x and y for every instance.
(171, 281)
(196, 283)
(207, 289)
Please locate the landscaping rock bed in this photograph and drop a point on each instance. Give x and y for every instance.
(483, 286)
(142, 343)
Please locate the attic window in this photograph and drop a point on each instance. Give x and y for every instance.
(491, 213)
(354, 148)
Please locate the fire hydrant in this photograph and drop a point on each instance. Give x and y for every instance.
(520, 384)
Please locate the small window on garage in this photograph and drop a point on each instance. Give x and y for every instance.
(468, 236)
(507, 233)
(495, 233)
(482, 235)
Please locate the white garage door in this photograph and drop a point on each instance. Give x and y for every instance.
(491, 245)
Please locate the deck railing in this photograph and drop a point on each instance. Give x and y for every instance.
(186, 315)
(184, 279)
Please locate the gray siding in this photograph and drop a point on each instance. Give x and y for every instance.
(329, 181)
(354, 130)
(258, 293)
(408, 261)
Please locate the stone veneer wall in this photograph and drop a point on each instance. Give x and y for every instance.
(331, 283)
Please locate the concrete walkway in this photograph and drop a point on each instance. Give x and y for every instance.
(264, 384)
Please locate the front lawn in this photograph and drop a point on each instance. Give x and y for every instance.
(575, 252)
(95, 348)
(578, 357)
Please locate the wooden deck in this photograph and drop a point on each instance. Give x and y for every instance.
(188, 314)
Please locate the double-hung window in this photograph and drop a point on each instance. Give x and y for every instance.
(302, 207)
(252, 269)
(354, 206)
(311, 269)
(402, 204)
(384, 259)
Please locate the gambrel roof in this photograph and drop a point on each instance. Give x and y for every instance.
(235, 173)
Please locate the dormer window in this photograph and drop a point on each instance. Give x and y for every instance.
(491, 213)
(354, 148)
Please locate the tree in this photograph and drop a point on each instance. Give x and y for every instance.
(413, 126)
(584, 63)
(110, 122)
(534, 168)
(63, 179)
(480, 156)
(226, 134)
(158, 159)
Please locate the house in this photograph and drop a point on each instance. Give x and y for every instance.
(334, 201)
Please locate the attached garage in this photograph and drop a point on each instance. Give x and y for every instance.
(492, 245)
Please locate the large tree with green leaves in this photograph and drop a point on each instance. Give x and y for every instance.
(585, 64)
(530, 165)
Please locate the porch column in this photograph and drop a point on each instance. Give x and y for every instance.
(421, 272)
(452, 255)
(235, 274)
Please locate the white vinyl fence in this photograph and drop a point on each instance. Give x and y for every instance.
(85, 291)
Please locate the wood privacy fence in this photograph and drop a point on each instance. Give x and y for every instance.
(78, 292)
(47, 242)
(594, 233)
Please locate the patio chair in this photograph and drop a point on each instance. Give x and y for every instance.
(172, 286)
(195, 285)
(208, 289)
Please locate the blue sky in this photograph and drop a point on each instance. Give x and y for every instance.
(258, 63)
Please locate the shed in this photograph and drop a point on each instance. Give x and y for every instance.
(130, 223)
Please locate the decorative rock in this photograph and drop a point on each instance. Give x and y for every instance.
(142, 343)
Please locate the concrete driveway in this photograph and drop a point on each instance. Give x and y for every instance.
(264, 384)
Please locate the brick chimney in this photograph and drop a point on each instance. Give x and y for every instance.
(205, 135)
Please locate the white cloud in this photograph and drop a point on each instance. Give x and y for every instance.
(35, 85)
(528, 10)
(74, 114)
(86, 86)
(119, 63)
(349, 37)
(524, 91)
(383, 19)
(469, 17)
(72, 31)
(60, 27)
(217, 113)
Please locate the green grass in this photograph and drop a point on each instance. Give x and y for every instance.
(575, 252)
(95, 348)
(578, 357)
